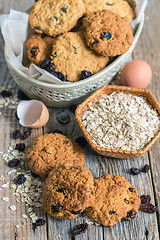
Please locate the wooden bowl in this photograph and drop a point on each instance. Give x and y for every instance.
(116, 153)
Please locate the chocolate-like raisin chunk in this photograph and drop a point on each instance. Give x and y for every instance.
(45, 64)
(16, 134)
(56, 208)
(76, 212)
(34, 51)
(106, 35)
(20, 179)
(64, 9)
(13, 163)
(5, 93)
(85, 74)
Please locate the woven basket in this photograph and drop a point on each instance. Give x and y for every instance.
(54, 95)
(108, 90)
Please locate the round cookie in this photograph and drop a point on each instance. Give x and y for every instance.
(115, 199)
(55, 17)
(67, 192)
(107, 33)
(121, 7)
(39, 47)
(50, 150)
(71, 56)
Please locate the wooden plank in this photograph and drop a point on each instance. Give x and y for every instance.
(8, 219)
(148, 49)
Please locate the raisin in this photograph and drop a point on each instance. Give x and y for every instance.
(20, 147)
(27, 133)
(45, 64)
(61, 190)
(63, 117)
(146, 168)
(67, 143)
(57, 131)
(51, 68)
(34, 51)
(16, 134)
(38, 28)
(81, 141)
(111, 212)
(20, 179)
(43, 35)
(22, 95)
(60, 75)
(149, 208)
(85, 74)
(54, 55)
(126, 201)
(132, 190)
(76, 212)
(13, 163)
(64, 9)
(131, 214)
(109, 4)
(75, 49)
(40, 222)
(145, 199)
(65, 78)
(81, 228)
(106, 35)
(34, 175)
(5, 94)
(135, 171)
(95, 42)
(56, 208)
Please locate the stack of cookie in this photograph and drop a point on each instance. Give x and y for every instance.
(70, 188)
(72, 51)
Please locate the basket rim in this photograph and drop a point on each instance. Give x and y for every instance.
(81, 82)
(96, 95)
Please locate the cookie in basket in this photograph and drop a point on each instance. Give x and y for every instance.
(115, 200)
(67, 192)
(107, 33)
(55, 17)
(39, 47)
(120, 7)
(50, 150)
(71, 56)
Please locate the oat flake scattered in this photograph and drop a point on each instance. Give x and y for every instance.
(12, 207)
(6, 199)
(24, 215)
(121, 121)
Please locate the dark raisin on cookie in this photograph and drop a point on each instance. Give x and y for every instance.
(55, 20)
(43, 35)
(132, 190)
(38, 28)
(75, 49)
(94, 42)
(76, 212)
(51, 68)
(61, 190)
(131, 214)
(54, 55)
(34, 51)
(111, 212)
(40, 222)
(64, 9)
(85, 74)
(106, 35)
(126, 201)
(109, 4)
(67, 143)
(45, 64)
(56, 208)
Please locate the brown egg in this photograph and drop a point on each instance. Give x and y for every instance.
(136, 73)
(32, 113)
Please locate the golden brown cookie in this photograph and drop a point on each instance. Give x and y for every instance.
(55, 17)
(39, 47)
(71, 56)
(67, 191)
(107, 33)
(115, 199)
(121, 7)
(50, 150)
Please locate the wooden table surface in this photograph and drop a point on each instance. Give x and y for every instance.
(145, 226)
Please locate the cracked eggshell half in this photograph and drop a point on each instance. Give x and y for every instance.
(32, 113)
